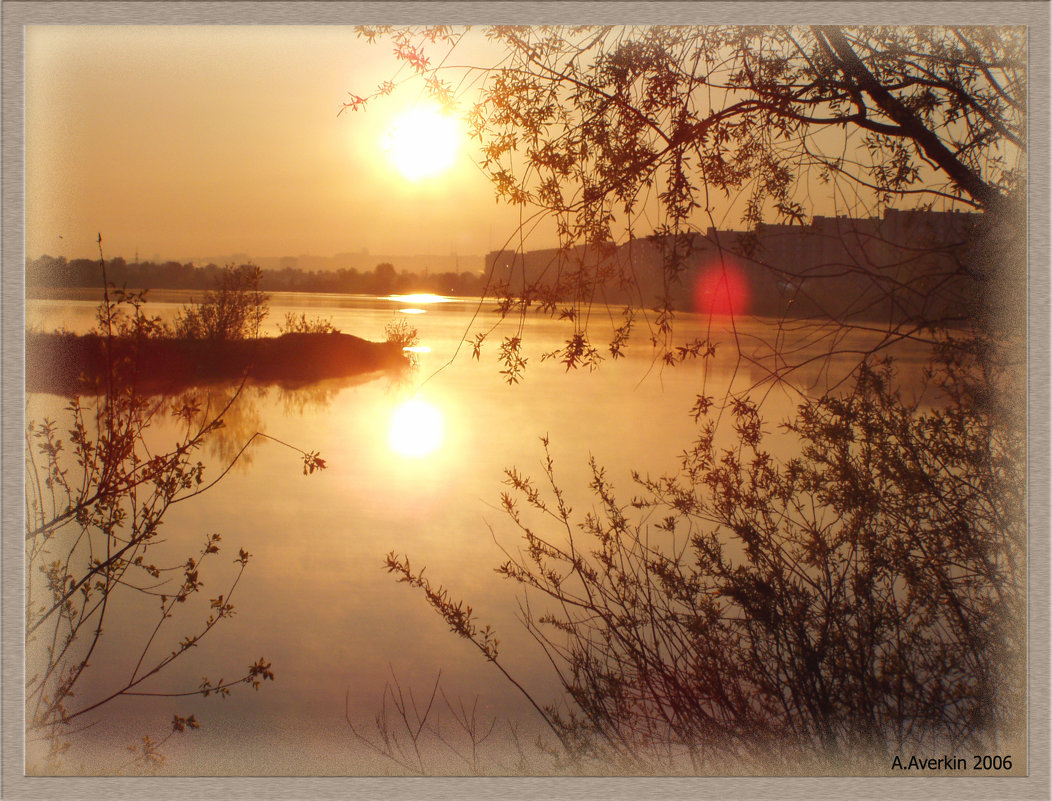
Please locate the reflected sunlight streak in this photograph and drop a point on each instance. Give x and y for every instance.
(419, 298)
(416, 429)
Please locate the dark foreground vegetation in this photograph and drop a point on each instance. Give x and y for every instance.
(860, 600)
(99, 480)
(858, 593)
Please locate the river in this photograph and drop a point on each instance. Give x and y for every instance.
(316, 601)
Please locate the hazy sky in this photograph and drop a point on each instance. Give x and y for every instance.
(194, 142)
(188, 142)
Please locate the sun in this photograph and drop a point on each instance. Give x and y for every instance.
(416, 429)
(422, 142)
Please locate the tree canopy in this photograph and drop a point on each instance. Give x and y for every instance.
(867, 595)
(604, 109)
(678, 132)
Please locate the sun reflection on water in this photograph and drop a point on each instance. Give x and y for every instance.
(419, 298)
(416, 429)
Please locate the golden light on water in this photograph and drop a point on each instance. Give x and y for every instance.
(413, 311)
(422, 142)
(416, 429)
(419, 298)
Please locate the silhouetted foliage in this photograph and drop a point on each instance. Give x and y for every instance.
(233, 310)
(401, 333)
(60, 363)
(868, 595)
(664, 134)
(98, 487)
(410, 732)
(301, 325)
(859, 600)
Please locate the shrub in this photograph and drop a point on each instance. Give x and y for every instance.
(301, 325)
(401, 333)
(860, 599)
(235, 309)
(95, 505)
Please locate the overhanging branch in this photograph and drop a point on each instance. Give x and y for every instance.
(912, 127)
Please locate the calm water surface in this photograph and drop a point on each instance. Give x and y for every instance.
(316, 600)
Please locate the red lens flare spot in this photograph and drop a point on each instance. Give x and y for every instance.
(721, 289)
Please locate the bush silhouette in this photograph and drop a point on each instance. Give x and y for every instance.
(95, 506)
(853, 602)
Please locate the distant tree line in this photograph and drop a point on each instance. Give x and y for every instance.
(48, 272)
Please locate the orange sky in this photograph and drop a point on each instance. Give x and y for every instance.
(198, 142)
(189, 142)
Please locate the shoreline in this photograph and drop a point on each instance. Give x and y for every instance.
(77, 364)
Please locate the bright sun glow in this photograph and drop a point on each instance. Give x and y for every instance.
(416, 429)
(422, 142)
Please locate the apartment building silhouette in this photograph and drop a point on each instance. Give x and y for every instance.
(903, 265)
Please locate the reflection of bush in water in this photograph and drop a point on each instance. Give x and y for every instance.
(309, 398)
(241, 421)
(245, 418)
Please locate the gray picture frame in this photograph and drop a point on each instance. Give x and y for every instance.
(16, 15)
